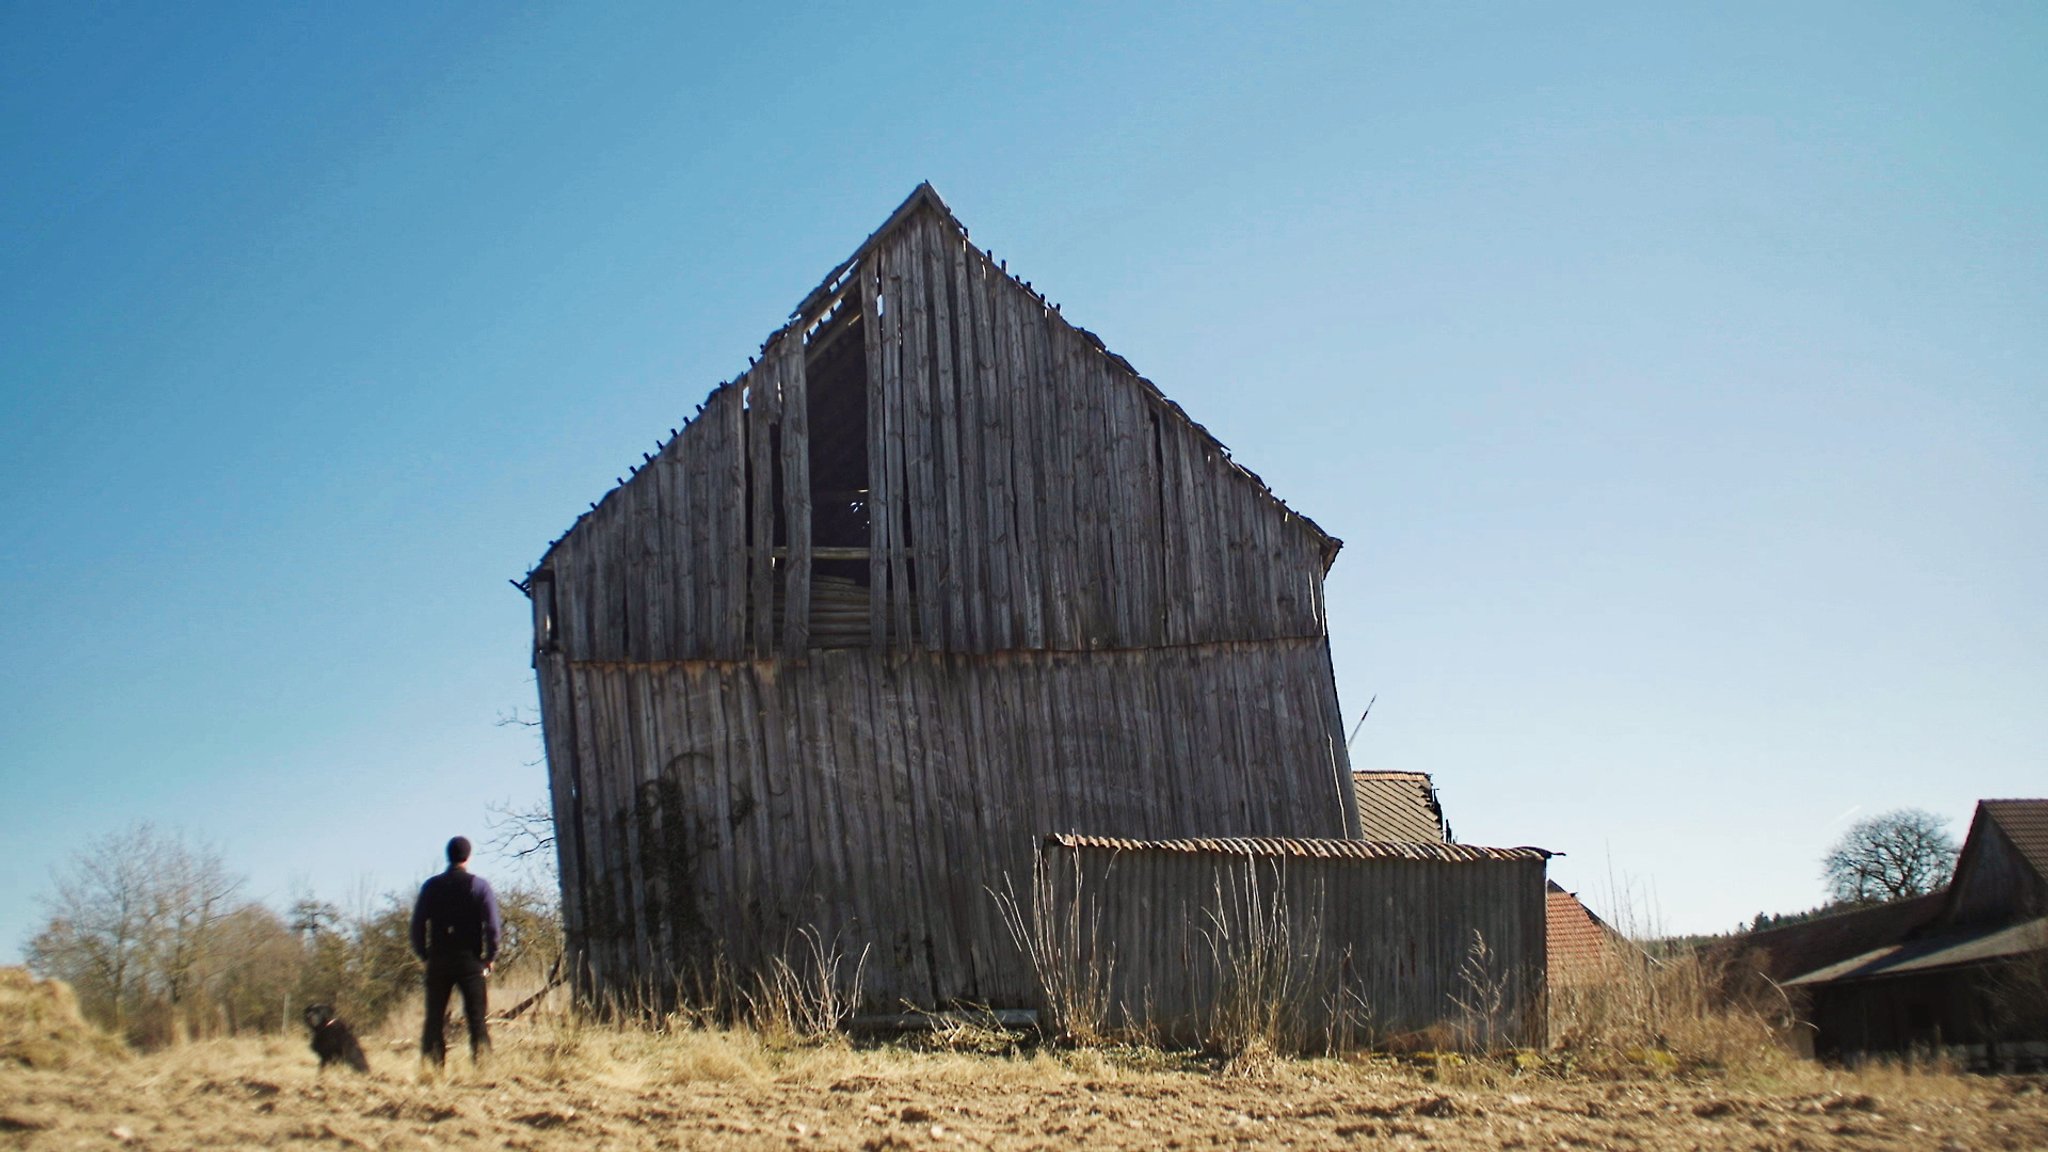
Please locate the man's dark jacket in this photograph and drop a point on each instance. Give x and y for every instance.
(455, 923)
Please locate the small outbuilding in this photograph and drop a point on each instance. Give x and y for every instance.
(1970, 981)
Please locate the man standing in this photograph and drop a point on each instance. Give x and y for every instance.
(455, 931)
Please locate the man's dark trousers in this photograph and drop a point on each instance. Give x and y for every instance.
(445, 975)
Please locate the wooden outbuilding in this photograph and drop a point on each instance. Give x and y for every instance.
(936, 577)
(1969, 981)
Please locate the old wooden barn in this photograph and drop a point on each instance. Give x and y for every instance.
(936, 577)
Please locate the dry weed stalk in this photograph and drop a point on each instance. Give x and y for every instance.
(1686, 1010)
(1481, 998)
(1269, 971)
(807, 1001)
(1061, 945)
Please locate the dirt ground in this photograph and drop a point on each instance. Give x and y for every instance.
(592, 1088)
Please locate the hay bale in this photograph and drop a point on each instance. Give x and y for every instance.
(40, 1026)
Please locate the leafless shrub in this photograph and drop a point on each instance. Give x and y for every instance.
(1063, 947)
(2017, 994)
(810, 999)
(135, 928)
(1268, 968)
(1481, 998)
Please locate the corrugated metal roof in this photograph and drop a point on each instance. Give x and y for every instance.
(1399, 807)
(1301, 848)
(1946, 951)
(2025, 823)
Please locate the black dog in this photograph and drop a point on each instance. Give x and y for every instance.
(333, 1041)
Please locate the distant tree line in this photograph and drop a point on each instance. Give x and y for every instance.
(152, 932)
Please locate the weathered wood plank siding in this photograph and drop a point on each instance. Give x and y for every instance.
(1362, 943)
(910, 790)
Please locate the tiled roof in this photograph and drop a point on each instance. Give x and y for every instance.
(1399, 806)
(1300, 848)
(1579, 942)
(2025, 823)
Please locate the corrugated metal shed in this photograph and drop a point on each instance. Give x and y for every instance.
(1352, 942)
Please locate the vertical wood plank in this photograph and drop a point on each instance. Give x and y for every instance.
(954, 539)
(796, 489)
(731, 414)
(927, 505)
(902, 576)
(972, 461)
(761, 417)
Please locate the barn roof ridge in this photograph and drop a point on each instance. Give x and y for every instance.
(819, 303)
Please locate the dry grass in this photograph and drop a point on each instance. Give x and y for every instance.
(1269, 970)
(808, 999)
(40, 1026)
(559, 1082)
(1649, 1061)
(1677, 1014)
(1063, 945)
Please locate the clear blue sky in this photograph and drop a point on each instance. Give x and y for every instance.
(1678, 381)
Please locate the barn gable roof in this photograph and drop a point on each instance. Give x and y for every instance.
(2003, 867)
(2025, 824)
(818, 306)
(1399, 806)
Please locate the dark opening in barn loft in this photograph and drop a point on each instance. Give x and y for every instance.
(938, 577)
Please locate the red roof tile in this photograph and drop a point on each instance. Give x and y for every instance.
(1579, 942)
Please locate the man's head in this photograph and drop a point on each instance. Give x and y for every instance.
(458, 852)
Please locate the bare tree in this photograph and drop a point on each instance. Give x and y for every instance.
(524, 833)
(131, 922)
(1907, 852)
(194, 891)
